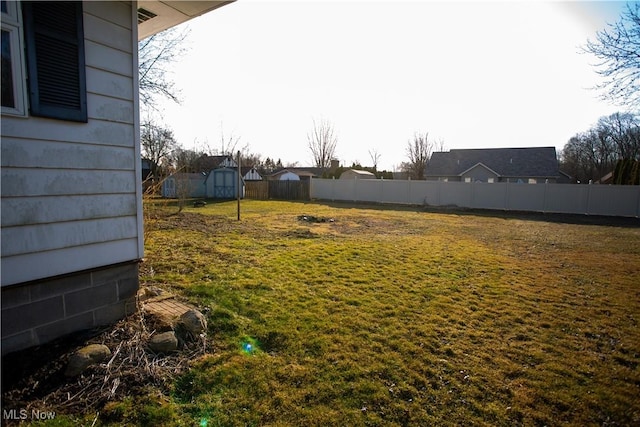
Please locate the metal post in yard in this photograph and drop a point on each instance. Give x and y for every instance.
(239, 182)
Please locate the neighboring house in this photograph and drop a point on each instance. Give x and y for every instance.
(184, 185)
(284, 175)
(606, 179)
(295, 174)
(524, 165)
(357, 174)
(206, 163)
(71, 170)
(250, 174)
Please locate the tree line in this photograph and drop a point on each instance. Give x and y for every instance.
(614, 140)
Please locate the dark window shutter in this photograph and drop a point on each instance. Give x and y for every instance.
(54, 38)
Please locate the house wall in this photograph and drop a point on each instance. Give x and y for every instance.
(252, 175)
(478, 173)
(71, 196)
(610, 200)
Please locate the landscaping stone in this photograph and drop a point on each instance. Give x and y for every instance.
(193, 322)
(165, 342)
(85, 357)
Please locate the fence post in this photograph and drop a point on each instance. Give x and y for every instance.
(472, 200)
(355, 190)
(506, 195)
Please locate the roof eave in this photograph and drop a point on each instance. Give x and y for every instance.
(484, 166)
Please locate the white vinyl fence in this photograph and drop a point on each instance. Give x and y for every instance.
(609, 200)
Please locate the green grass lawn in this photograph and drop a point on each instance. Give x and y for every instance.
(399, 317)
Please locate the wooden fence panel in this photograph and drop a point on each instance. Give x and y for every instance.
(289, 190)
(282, 190)
(258, 190)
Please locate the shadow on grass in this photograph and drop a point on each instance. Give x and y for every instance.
(562, 218)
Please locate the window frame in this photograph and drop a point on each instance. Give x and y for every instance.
(12, 23)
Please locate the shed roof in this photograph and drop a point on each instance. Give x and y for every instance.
(359, 172)
(509, 162)
(311, 171)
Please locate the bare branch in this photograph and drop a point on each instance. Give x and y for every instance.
(155, 55)
(618, 51)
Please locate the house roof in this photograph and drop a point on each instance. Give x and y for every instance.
(155, 16)
(359, 172)
(246, 169)
(507, 162)
(205, 162)
(310, 171)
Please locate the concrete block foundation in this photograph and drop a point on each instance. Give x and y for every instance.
(37, 312)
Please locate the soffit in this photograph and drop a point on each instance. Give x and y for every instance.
(171, 13)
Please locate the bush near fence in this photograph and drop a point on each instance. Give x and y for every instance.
(608, 200)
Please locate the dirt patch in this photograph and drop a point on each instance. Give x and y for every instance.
(314, 219)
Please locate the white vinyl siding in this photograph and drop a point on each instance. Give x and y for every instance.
(65, 260)
(69, 190)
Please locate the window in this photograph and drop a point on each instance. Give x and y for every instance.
(490, 180)
(13, 85)
(467, 179)
(533, 181)
(54, 39)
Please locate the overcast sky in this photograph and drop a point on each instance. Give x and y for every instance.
(472, 74)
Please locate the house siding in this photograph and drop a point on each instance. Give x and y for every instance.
(478, 173)
(71, 195)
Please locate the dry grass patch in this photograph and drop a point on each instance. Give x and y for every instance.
(399, 317)
(386, 317)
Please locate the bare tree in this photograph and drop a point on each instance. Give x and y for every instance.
(185, 160)
(322, 142)
(375, 158)
(623, 129)
(617, 48)
(229, 145)
(157, 144)
(590, 155)
(419, 152)
(155, 54)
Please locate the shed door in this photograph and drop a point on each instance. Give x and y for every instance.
(225, 186)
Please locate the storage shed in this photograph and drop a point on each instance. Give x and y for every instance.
(357, 174)
(223, 184)
(181, 185)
